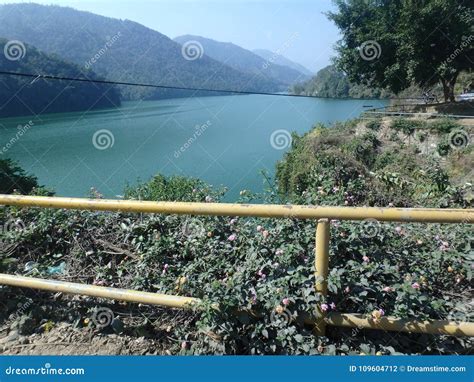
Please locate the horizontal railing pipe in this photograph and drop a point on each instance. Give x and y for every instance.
(99, 291)
(399, 325)
(334, 319)
(251, 210)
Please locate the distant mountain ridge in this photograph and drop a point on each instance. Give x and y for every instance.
(246, 61)
(279, 59)
(25, 96)
(139, 54)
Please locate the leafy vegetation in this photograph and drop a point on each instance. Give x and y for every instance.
(389, 43)
(14, 179)
(27, 96)
(260, 271)
(329, 82)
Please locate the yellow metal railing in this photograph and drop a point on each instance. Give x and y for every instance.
(322, 214)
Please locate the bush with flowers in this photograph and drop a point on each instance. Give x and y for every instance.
(256, 276)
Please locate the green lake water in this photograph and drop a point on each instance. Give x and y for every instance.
(223, 140)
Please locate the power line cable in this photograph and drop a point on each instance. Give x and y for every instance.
(106, 82)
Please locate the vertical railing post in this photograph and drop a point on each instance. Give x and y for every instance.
(321, 271)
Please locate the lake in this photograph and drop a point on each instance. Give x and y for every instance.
(225, 140)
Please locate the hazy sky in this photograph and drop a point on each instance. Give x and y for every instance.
(297, 27)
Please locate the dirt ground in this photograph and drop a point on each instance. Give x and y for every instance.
(65, 340)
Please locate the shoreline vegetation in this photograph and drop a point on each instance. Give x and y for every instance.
(252, 264)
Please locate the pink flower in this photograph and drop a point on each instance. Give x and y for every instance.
(279, 252)
(332, 305)
(184, 345)
(398, 229)
(347, 289)
(259, 228)
(265, 234)
(262, 275)
(366, 259)
(233, 221)
(387, 289)
(415, 285)
(232, 237)
(165, 268)
(444, 246)
(382, 312)
(324, 307)
(286, 301)
(335, 189)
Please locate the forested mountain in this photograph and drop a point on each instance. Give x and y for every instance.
(278, 59)
(25, 96)
(329, 82)
(121, 50)
(246, 61)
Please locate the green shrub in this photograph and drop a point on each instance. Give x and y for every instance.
(174, 188)
(374, 124)
(444, 126)
(13, 178)
(407, 126)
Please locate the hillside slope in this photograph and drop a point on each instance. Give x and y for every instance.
(121, 50)
(25, 96)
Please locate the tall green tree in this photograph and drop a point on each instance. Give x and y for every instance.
(397, 43)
